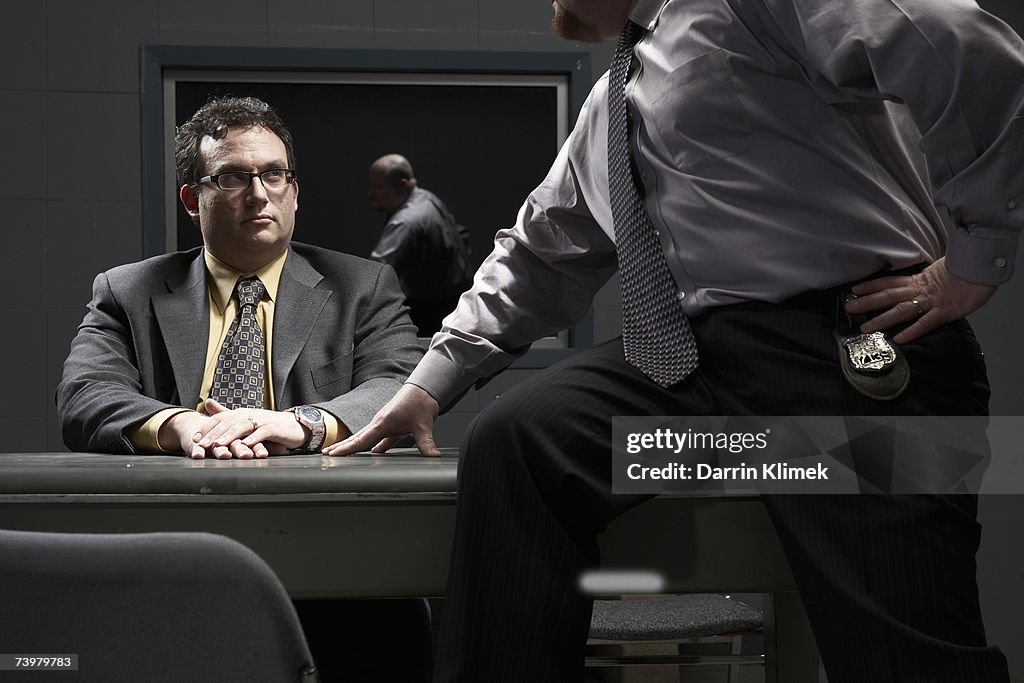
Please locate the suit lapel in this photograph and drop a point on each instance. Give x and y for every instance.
(183, 315)
(296, 310)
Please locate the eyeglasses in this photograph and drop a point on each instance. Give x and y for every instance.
(272, 179)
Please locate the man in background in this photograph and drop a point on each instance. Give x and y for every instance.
(746, 166)
(421, 241)
(250, 346)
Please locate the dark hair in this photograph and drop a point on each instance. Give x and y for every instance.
(214, 119)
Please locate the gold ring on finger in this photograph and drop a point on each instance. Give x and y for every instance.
(917, 307)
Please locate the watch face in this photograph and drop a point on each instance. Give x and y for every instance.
(309, 413)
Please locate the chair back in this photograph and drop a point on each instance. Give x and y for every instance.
(149, 607)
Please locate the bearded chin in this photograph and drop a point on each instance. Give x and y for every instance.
(567, 25)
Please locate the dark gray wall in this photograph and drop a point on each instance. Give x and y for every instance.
(71, 200)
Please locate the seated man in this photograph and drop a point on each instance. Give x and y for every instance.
(249, 346)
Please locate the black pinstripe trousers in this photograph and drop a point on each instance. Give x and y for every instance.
(888, 581)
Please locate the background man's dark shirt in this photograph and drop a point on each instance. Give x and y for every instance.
(430, 252)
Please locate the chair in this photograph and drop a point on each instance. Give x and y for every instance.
(149, 607)
(679, 619)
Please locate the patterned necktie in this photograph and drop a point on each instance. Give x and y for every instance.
(655, 332)
(238, 378)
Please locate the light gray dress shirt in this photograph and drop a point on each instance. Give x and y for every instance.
(784, 146)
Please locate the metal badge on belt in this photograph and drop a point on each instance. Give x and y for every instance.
(871, 363)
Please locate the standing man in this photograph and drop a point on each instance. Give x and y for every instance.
(421, 241)
(744, 164)
(247, 347)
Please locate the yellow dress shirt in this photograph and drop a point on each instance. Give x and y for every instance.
(220, 286)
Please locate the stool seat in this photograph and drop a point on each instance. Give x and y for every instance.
(671, 618)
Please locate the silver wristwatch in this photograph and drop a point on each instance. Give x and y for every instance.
(312, 419)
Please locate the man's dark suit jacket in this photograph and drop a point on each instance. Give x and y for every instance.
(342, 341)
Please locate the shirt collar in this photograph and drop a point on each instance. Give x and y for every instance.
(646, 12)
(222, 278)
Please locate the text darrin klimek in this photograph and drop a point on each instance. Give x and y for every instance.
(704, 472)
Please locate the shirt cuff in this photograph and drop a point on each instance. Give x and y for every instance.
(336, 430)
(146, 437)
(440, 377)
(984, 256)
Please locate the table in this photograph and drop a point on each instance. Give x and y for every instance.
(381, 526)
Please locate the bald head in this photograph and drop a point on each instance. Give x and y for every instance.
(391, 182)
